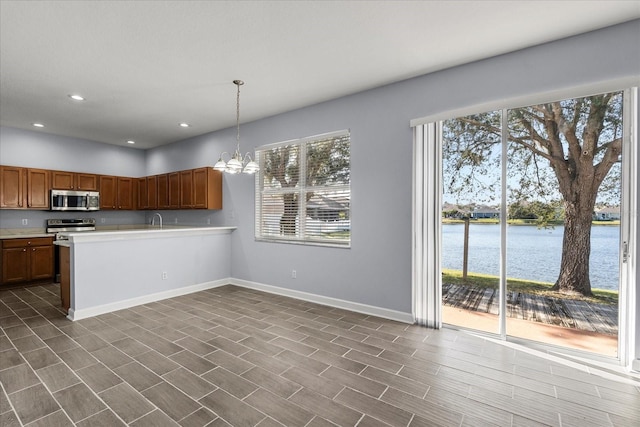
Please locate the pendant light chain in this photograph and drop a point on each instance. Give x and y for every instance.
(237, 163)
(238, 83)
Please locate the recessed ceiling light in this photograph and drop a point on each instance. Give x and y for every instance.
(76, 97)
(131, 142)
(38, 125)
(184, 125)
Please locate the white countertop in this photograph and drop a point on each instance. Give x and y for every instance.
(142, 232)
(23, 233)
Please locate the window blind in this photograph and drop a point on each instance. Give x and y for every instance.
(303, 191)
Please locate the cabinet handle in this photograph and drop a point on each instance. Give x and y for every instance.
(24, 250)
(28, 243)
(34, 249)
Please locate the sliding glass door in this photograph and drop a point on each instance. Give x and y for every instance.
(472, 161)
(531, 222)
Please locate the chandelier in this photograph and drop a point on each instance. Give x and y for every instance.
(237, 163)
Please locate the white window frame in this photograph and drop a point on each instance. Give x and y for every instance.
(301, 189)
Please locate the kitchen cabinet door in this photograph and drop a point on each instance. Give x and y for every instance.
(41, 262)
(152, 192)
(12, 187)
(108, 192)
(38, 189)
(125, 193)
(61, 180)
(163, 191)
(86, 181)
(186, 189)
(15, 265)
(25, 260)
(174, 190)
(143, 197)
(207, 188)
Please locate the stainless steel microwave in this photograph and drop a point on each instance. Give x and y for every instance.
(67, 200)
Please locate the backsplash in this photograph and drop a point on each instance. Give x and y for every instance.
(14, 218)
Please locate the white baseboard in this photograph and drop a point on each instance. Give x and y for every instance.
(331, 302)
(635, 365)
(145, 299)
(305, 296)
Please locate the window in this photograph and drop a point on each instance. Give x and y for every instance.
(303, 192)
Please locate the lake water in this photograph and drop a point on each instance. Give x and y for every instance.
(532, 253)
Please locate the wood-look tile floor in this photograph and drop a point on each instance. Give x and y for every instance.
(233, 356)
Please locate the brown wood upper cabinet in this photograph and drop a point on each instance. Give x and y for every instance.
(38, 189)
(168, 190)
(22, 188)
(207, 188)
(61, 180)
(152, 192)
(201, 189)
(25, 260)
(189, 189)
(116, 192)
(186, 189)
(12, 187)
(147, 192)
(163, 191)
(143, 198)
(174, 190)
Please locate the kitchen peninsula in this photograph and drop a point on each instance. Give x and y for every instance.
(105, 271)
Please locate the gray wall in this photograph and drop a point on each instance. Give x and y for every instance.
(42, 150)
(37, 149)
(377, 268)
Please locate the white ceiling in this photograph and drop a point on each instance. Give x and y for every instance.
(145, 66)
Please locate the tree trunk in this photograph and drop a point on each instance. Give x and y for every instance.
(288, 218)
(576, 248)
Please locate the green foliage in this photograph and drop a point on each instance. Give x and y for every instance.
(326, 162)
(544, 214)
(545, 144)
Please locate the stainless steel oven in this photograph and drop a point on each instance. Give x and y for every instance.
(67, 200)
(77, 224)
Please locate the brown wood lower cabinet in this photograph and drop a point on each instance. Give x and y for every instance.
(27, 260)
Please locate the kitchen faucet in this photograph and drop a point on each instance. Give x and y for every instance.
(153, 220)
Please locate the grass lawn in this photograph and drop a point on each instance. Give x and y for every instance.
(525, 286)
(520, 222)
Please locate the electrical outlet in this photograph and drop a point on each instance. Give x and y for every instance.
(294, 274)
(164, 275)
(208, 221)
(176, 220)
(25, 221)
(102, 220)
